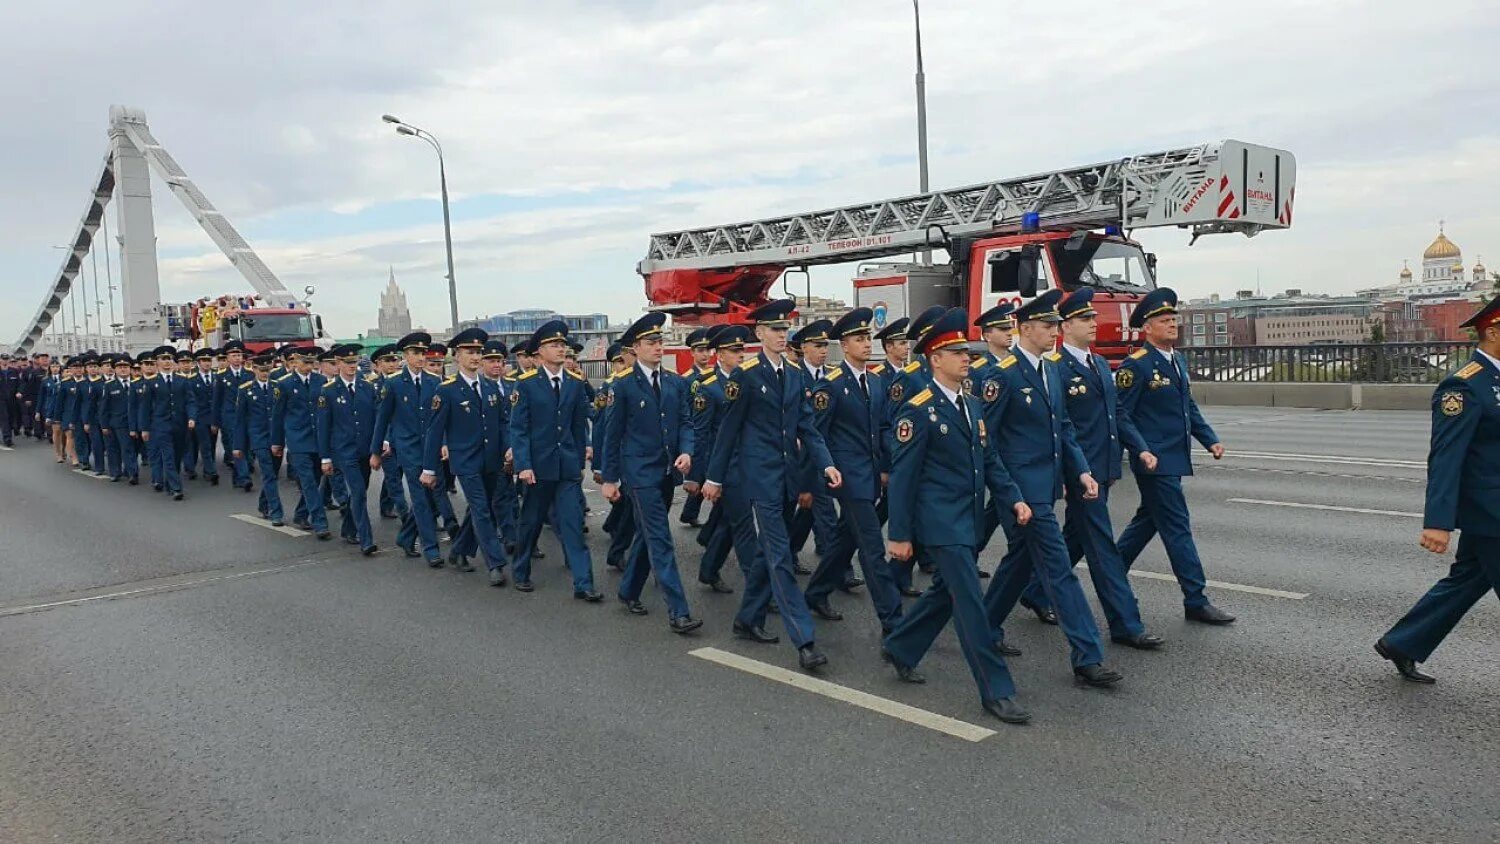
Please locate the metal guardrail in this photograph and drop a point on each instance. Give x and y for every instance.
(1388, 363)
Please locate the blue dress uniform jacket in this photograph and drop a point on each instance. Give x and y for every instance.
(295, 423)
(404, 412)
(470, 421)
(1093, 407)
(115, 409)
(1021, 406)
(856, 429)
(67, 401)
(939, 471)
(549, 433)
(346, 420)
(1463, 465)
(600, 416)
(170, 403)
(757, 445)
(254, 410)
(88, 406)
(1156, 401)
(644, 434)
(227, 383)
(202, 386)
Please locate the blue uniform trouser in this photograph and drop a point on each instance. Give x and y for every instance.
(1089, 533)
(858, 527)
(622, 532)
(392, 497)
(112, 454)
(1038, 546)
(504, 507)
(716, 538)
(567, 496)
(821, 522)
(444, 505)
(239, 467)
(1475, 571)
(356, 521)
(303, 466)
(954, 594)
(203, 441)
(692, 507)
(130, 465)
(653, 550)
(1164, 510)
(768, 570)
(479, 530)
(1034, 595)
(80, 444)
(269, 501)
(98, 449)
(420, 520)
(164, 465)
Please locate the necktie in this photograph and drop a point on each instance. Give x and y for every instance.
(865, 391)
(557, 387)
(963, 410)
(780, 378)
(1041, 369)
(656, 382)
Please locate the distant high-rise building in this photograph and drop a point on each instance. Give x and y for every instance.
(394, 319)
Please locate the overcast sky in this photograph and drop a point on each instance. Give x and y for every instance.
(573, 129)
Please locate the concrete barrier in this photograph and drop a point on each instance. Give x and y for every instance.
(1315, 396)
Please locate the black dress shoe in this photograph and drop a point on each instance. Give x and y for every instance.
(690, 522)
(1006, 649)
(1143, 642)
(351, 540)
(370, 551)
(754, 634)
(684, 624)
(1404, 664)
(176, 496)
(248, 487)
(1007, 710)
(411, 551)
(435, 563)
(590, 595)
(536, 554)
(809, 657)
(524, 586)
(984, 575)
(718, 586)
(911, 591)
(497, 576)
(302, 525)
(1097, 675)
(213, 480)
(634, 607)
(1207, 614)
(277, 523)
(853, 581)
(192, 476)
(156, 487)
(905, 673)
(135, 481)
(1045, 616)
(800, 570)
(325, 535)
(825, 612)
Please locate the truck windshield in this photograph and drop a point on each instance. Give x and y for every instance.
(1104, 265)
(272, 327)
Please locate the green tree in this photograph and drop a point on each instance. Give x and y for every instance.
(1377, 332)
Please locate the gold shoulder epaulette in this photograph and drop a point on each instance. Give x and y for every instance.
(877, 369)
(709, 379)
(1008, 362)
(1469, 371)
(284, 377)
(833, 374)
(1138, 353)
(707, 370)
(921, 398)
(979, 364)
(579, 375)
(750, 364)
(912, 367)
(329, 385)
(1053, 356)
(530, 373)
(247, 385)
(609, 379)
(450, 380)
(372, 377)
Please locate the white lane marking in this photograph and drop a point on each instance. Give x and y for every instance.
(864, 700)
(1365, 510)
(259, 522)
(88, 474)
(147, 590)
(1218, 584)
(1327, 458)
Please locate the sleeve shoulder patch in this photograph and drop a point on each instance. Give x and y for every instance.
(1138, 353)
(750, 364)
(1469, 371)
(921, 398)
(1008, 362)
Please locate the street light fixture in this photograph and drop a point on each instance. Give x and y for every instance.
(404, 128)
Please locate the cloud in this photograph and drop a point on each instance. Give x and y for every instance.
(572, 129)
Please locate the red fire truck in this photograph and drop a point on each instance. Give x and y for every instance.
(251, 319)
(1007, 239)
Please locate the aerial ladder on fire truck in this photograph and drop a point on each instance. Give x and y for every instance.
(133, 155)
(720, 273)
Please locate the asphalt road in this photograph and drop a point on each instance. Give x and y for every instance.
(169, 673)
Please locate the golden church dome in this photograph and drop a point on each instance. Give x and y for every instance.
(1442, 247)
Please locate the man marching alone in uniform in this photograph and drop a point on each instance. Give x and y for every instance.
(405, 406)
(1463, 473)
(549, 446)
(255, 406)
(755, 464)
(648, 448)
(346, 421)
(941, 464)
(855, 424)
(294, 432)
(1156, 400)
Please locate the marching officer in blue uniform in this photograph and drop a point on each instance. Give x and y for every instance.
(346, 423)
(437, 355)
(620, 523)
(709, 406)
(1156, 400)
(254, 412)
(167, 417)
(702, 352)
(648, 447)
(401, 421)
(901, 384)
(294, 433)
(851, 414)
(941, 464)
(69, 396)
(139, 422)
(549, 445)
(467, 423)
(494, 366)
(226, 399)
(385, 362)
(1093, 407)
(201, 441)
(466, 544)
(1463, 474)
(115, 419)
(814, 514)
(1035, 438)
(996, 326)
(93, 400)
(756, 464)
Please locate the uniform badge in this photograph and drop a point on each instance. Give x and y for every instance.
(820, 401)
(968, 385)
(276, 391)
(904, 431)
(982, 432)
(896, 392)
(1083, 388)
(643, 403)
(1124, 379)
(437, 402)
(732, 390)
(1451, 403)
(515, 399)
(943, 428)
(322, 401)
(494, 400)
(609, 398)
(700, 403)
(600, 401)
(991, 391)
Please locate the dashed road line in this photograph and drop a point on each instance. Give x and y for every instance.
(167, 585)
(259, 522)
(1302, 506)
(854, 697)
(1217, 584)
(1327, 458)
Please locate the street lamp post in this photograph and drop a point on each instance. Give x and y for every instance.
(921, 115)
(404, 128)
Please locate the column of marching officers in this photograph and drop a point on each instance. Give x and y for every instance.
(914, 461)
